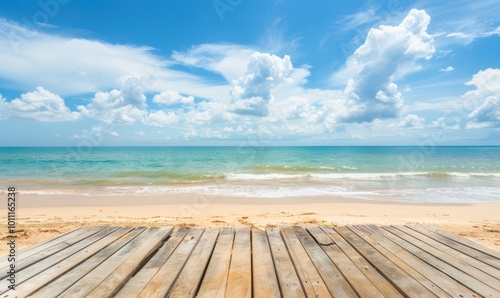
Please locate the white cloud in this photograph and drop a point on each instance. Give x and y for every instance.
(447, 69)
(441, 123)
(353, 21)
(473, 33)
(487, 96)
(412, 121)
(207, 112)
(114, 134)
(160, 118)
(276, 41)
(389, 53)
(69, 66)
(40, 105)
(229, 60)
(252, 91)
(3, 108)
(460, 35)
(493, 32)
(124, 106)
(172, 98)
(477, 125)
(464, 21)
(96, 128)
(356, 136)
(204, 133)
(255, 83)
(127, 105)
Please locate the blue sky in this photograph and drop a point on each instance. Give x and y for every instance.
(241, 72)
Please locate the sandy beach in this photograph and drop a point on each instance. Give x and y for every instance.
(41, 217)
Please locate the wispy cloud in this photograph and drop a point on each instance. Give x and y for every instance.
(447, 69)
(464, 21)
(69, 66)
(276, 41)
(363, 17)
(228, 60)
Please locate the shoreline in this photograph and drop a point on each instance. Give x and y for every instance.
(41, 217)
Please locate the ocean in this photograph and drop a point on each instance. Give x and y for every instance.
(412, 174)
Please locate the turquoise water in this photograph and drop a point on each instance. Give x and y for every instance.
(435, 174)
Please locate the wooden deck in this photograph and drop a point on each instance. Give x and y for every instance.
(351, 261)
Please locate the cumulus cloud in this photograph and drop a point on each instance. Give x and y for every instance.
(3, 108)
(206, 112)
(389, 53)
(171, 98)
(256, 84)
(487, 95)
(412, 121)
(41, 105)
(124, 106)
(160, 118)
(204, 133)
(441, 123)
(252, 91)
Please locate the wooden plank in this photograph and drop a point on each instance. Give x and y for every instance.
(312, 282)
(66, 280)
(137, 283)
(382, 284)
(90, 281)
(215, 280)
(239, 281)
(288, 279)
(49, 242)
(99, 262)
(31, 250)
(113, 283)
(461, 248)
(492, 271)
(49, 248)
(331, 275)
(189, 280)
(464, 241)
(398, 277)
(167, 274)
(460, 276)
(265, 282)
(360, 283)
(437, 282)
(53, 260)
(448, 255)
(56, 269)
(162, 282)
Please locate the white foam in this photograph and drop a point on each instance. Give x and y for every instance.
(473, 174)
(364, 176)
(243, 176)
